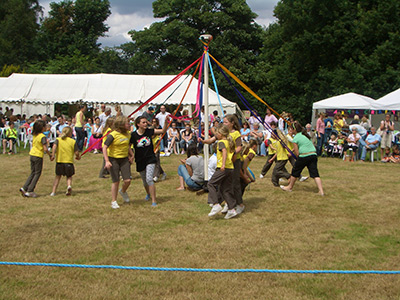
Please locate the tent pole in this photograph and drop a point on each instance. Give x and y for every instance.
(207, 38)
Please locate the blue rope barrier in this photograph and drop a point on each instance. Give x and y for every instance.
(199, 270)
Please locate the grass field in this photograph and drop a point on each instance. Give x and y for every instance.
(354, 227)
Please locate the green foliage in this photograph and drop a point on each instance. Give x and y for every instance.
(18, 23)
(9, 69)
(73, 26)
(321, 48)
(169, 46)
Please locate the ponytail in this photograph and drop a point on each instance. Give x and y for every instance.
(297, 126)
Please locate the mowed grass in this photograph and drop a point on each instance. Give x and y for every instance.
(354, 227)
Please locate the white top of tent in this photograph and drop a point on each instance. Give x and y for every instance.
(104, 88)
(389, 102)
(345, 101)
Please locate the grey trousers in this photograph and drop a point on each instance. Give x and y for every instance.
(279, 172)
(267, 165)
(236, 187)
(36, 171)
(221, 182)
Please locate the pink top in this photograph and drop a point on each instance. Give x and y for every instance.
(269, 119)
(320, 126)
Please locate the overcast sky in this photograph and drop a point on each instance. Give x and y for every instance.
(138, 14)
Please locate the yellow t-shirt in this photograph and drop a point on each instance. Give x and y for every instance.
(289, 143)
(272, 142)
(281, 152)
(228, 162)
(12, 133)
(65, 150)
(245, 156)
(37, 145)
(155, 140)
(78, 119)
(237, 139)
(119, 148)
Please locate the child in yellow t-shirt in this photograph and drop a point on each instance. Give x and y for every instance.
(248, 153)
(39, 148)
(282, 158)
(223, 176)
(64, 149)
(11, 137)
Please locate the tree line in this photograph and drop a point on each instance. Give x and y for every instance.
(315, 49)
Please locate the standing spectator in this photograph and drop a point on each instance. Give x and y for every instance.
(338, 123)
(312, 134)
(60, 126)
(386, 129)
(79, 130)
(270, 117)
(257, 135)
(320, 131)
(148, 114)
(161, 116)
(328, 127)
(104, 116)
(252, 120)
(11, 137)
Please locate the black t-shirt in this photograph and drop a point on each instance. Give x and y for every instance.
(144, 152)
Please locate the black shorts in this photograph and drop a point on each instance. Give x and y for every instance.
(310, 162)
(11, 139)
(120, 165)
(65, 169)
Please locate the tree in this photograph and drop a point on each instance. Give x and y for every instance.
(73, 26)
(18, 23)
(172, 44)
(322, 48)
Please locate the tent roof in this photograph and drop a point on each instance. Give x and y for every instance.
(389, 102)
(345, 101)
(105, 88)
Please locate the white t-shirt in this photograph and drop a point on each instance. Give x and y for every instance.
(212, 165)
(161, 118)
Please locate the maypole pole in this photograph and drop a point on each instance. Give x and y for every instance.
(206, 39)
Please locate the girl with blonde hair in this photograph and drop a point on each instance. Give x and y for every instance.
(221, 181)
(64, 149)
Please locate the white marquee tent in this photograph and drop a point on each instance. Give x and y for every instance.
(32, 92)
(389, 102)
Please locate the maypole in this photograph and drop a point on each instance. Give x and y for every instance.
(206, 39)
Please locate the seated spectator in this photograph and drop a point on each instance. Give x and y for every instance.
(191, 171)
(257, 134)
(365, 123)
(97, 133)
(61, 124)
(312, 134)
(352, 142)
(371, 143)
(11, 136)
(332, 147)
(186, 138)
(245, 132)
(173, 138)
(395, 158)
(386, 156)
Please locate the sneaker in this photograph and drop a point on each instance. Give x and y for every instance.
(52, 194)
(215, 209)
(95, 151)
(162, 154)
(22, 191)
(69, 191)
(125, 196)
(239, 209)
(261, 176)
(225, 209)
(183, 152)
(167, 154)
(303, 178)
(31, 194)
(231, 213)
(153, 204)
(114, 205)
(163, 176)
(147, 197)
(155, 179)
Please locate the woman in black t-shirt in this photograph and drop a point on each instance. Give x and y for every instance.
(144, 154)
